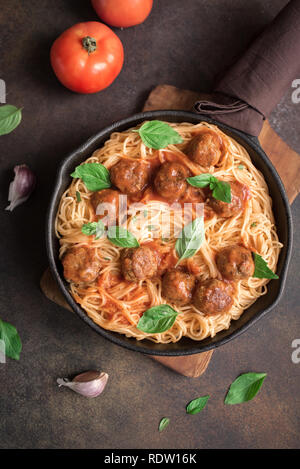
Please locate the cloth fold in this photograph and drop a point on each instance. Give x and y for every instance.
(252, 87)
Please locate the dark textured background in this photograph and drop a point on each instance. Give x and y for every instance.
(184, 44)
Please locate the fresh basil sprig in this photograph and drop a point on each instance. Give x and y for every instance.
(78, 196)
(190, 239)
(157, 134)
(196, 405)
(10, 118)
(261, 268)
(94, 228)
(119, 236)
(244, 388)
(220, 189)
(94, 175)
(11, 339)
(163, 424)
(157, 319)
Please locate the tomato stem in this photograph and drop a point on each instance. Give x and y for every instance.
(89, 44)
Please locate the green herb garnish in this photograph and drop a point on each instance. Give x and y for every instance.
(244, 388)
(220, 189)
(157, 319)
(190, 240)
(261, 268)
(253, 224)
(240, 166)
(10, 118)
(196, 405)
(119, 236)
(163, 424)
(157, 134)
(94, 228)
(11, 339)
(94, 175)
(152, 228)
(78, 196)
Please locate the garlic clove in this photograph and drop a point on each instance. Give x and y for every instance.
(21, 187)
(88, 384)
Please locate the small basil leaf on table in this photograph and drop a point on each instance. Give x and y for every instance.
(11, 339)
(220, 189)
(196, 405)
(157, 319)
(261, 268)
(94, 175)
(10, 118)
(157, 134)
(94, 228)
(244, 388)
(119, 236)
(163, 424)
(190, 240)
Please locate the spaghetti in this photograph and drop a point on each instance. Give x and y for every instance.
(116, 304)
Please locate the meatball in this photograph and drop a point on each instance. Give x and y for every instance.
(177, 286)
(205, 149)
(139, 263)
(130, 176)
(106, 196)
(235, 263)
(237, 204)
(213, 296)
(170, 180)
(81, 265)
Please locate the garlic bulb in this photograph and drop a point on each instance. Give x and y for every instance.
(21, 187)
(88, 384)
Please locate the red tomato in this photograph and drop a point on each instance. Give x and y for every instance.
(87, 57)
(123, 13)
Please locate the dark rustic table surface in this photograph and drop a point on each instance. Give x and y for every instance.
(184, 44)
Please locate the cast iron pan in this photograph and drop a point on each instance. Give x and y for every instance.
(282, 215)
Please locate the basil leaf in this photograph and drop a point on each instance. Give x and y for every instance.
(12, 341)
(10, 118)
(94, 175)
(121, 237)
(240, 166)
(157, 319)
(94, 228)
(196, 405)
(157, 134)
(202, 180)
(244, 388)
(261, 268)
(163, 424)
(190, 240)
(78, 196)
(220, 189)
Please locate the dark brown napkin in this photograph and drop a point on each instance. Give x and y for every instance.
(251, 88)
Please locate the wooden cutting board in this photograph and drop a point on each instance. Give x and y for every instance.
(286, 161)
